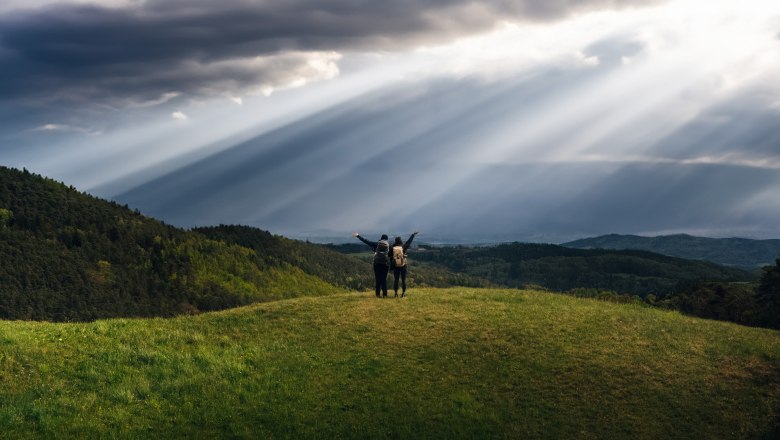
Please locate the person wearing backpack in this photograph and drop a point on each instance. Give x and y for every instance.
(398, 262)
(381, 259)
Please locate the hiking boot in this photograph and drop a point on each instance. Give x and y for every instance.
(403, 294)
(396, 295)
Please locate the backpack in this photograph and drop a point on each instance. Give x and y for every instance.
(398, 256)
(380, 253)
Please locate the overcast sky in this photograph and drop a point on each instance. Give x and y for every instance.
(500, 120)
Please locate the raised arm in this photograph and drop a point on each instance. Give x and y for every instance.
(409, 241)
(370, 243)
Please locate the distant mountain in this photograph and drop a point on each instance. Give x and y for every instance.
(738, 252)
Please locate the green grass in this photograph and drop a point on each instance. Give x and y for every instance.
(442, 363)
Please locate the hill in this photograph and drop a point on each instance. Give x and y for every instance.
(68, 256)
(737, 252)
(457, 363)
(559, 268)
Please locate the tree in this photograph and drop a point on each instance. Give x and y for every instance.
(768, 295)
(5, 217)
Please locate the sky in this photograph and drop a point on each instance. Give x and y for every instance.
(498, 120)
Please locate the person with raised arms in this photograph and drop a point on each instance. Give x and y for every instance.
(381, 250)
(398, 262)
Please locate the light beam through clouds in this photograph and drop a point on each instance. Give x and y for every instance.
(510, 120)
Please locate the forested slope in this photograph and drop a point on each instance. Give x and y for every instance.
(65, 255)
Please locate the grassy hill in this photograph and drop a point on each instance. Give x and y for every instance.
(440, 364)
(737, 252)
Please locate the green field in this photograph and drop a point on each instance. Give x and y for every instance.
(441, 363)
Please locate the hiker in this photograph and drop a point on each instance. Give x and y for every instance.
(381, 249)
(398, 262)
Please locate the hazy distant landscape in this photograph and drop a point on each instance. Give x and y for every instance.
(104, 260)
(737, 252)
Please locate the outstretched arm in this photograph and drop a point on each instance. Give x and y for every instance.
(370, 243)
(409, 241)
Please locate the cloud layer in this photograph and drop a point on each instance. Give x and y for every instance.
(138, 52)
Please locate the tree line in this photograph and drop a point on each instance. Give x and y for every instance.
(559, 268)
(68, 256)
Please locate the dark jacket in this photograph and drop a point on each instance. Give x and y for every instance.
(371, 244)
(378, 259)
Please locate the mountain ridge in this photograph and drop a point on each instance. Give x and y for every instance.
(745, 253)
(69, 256)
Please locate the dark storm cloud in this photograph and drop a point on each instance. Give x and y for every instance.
(201, 47)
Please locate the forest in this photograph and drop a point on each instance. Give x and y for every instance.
(754, 304)
(559, 268)
(697, 288)
(69, 256)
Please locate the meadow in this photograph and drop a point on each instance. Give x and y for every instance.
(441, 363)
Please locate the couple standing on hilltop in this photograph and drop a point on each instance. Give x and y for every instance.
(386, 257)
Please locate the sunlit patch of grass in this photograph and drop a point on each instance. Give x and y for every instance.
(440, 363)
